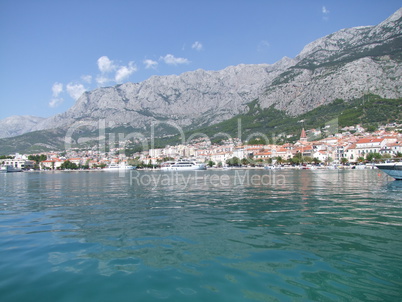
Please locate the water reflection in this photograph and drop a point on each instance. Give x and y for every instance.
(310, 229)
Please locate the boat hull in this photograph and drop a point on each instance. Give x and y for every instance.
(118, 168)
(392, 169)
(192, 168)
(183, 165)
(8, 169)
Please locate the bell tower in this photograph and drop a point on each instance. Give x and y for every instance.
(303, 136)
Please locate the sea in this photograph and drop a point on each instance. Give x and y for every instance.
(215, 235)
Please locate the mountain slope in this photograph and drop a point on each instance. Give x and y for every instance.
(344, 65)
(276, 125)
(198, 97)
(18, 124)
(367, 111)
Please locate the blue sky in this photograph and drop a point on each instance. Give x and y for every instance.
(51, 51)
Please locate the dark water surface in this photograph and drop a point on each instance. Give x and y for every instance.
(231, 235)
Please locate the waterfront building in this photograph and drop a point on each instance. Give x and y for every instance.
(368, 145)
(19, 163)
(51, 164)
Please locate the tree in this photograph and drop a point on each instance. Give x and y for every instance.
(68, 165)
(344, 160)
(373, 156)
(297, 159)
(279, 160)
(386, 156)
(210, 163)
(329, 160)
(307, 159)
(316, 160)
(234, 161)
(257, 141)
(371, 128)
(37, 158)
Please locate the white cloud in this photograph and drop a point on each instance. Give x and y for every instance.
(125, 71)
(106, 65)
(197, 46)
(57, 88)
(75, 90)
(102, 80)
(172, 60)
(150, 64)
(263, 45)
(87, 78)
(325, 13)
(54, 102)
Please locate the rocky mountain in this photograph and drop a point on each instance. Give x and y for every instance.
(18, 124)
(344, 65)
(197, 97)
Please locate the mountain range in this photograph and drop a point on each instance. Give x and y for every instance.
(346, 65)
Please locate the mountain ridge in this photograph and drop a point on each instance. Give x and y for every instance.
(18, 124)
(344, 65)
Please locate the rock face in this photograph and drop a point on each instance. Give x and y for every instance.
(18, 124)
(346, 64)
(196, 97)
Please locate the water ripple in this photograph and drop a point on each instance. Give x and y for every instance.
(319, 235)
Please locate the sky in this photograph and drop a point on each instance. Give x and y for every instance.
(51, 51)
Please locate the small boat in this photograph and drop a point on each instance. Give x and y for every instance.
(9, 168)
(309, 167)
(119, 167)
(182, 165)
(392, 169)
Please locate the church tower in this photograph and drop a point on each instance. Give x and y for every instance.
(303, 136)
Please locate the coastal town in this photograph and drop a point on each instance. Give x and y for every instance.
(351, 146)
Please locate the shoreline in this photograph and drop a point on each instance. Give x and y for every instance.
(335, 167)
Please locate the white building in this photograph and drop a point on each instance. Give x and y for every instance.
(18, 163)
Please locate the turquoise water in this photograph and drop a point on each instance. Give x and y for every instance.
(206, 236)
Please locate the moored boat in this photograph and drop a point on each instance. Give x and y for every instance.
(392, 169)
(9, 168)
(182, 165)
(119, 167)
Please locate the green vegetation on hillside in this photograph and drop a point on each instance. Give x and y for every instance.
(257, 125)
(367, 111)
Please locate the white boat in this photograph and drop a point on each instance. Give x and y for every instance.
(182, 165)
(119, 167)
(9, 168)
(392, 169)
